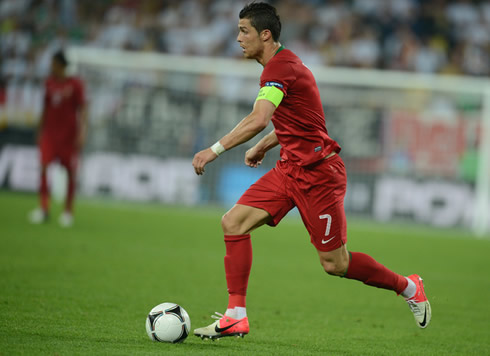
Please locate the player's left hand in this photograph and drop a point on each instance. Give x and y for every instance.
(253, 157)
(80, 140)
(201, 159)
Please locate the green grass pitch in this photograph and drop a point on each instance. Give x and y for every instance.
(87, 290)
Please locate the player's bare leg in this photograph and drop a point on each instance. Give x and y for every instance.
(359, 266)
(243, 219)
(237, 225)
(66, 218)
(335, 262)
(40, 215)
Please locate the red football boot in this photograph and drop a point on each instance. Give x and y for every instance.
(224, 326)
(419, 304)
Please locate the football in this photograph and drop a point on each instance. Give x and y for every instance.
(168, 322)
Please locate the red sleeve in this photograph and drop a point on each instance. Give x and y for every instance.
(278, 74)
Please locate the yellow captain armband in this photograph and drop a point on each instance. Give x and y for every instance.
(271, 93)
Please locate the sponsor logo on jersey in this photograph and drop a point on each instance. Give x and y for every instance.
(274, 84)
(318, 148)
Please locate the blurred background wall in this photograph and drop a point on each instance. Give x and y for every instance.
(405, 85)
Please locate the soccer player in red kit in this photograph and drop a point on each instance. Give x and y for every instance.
(310, 176)
(62, 132)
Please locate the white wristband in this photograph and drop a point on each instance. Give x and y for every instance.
(218, 148)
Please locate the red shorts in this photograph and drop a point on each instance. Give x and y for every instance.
(51, 151)
(317, 190)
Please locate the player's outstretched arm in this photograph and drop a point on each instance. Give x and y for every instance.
(255, 155)
(250, 126)
(41, 118)
(82, 129)
(39, 128)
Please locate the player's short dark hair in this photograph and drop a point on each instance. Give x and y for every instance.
(60, 57)
(262, 16)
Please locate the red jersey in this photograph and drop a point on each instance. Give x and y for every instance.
(63, 99)
(299, 120)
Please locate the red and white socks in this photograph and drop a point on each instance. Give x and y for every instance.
(366, 269)
(236, 312)
(362, 267)
(238, 263)
(411, 289)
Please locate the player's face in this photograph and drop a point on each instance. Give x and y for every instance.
(249, 39)
(57, 69)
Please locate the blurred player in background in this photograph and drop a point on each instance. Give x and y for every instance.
(310, 175)
(61, 135)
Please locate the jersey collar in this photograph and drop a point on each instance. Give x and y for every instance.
(279, 50)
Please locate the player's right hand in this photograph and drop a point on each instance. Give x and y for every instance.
(80, 140)
(201, 159)
(38, 137)
(253, 158)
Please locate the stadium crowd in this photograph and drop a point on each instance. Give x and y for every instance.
(438, 36)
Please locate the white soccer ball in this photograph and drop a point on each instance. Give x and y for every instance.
(168, 322)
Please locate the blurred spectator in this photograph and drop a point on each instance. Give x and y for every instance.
(440, 36)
